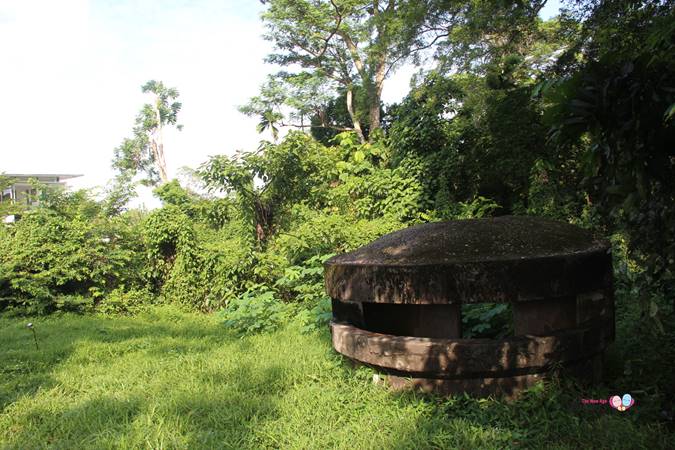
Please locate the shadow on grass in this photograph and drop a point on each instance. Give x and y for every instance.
(224, 420)
(239, 397)
(92, 419)
(24, 369)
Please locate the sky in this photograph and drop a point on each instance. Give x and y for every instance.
(72, 70)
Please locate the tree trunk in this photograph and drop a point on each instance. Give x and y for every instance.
(374, 113)
(161, 163)
(158, 147)
(263, 217)
(376, 94)
(158, 153)
(355, 120)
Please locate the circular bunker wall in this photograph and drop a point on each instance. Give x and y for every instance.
(397, 303)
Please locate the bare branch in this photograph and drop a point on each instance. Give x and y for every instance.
(338, 22)
(353, 50)
(302, 126)
(415, 50)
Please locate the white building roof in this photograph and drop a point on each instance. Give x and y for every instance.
(25, 176)
(61, 176)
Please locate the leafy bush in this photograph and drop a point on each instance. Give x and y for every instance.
(485, 320)
(305, 285)
(213, 212)
(475, 209)
(194, 265)
(67, 255)
(125, 301)
(175, 260)
(297, 296)
(227, 270)
(366, 187)
(315, 233)
(255, 311)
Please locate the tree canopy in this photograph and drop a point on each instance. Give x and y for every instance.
(348, 46)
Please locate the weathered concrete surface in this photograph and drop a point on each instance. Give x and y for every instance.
(503, 259)
(397, 303)
(482, 387)
(589, 370)
(545, 316)
(468, 358)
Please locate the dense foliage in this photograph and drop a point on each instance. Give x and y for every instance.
(67, 254)
(617, 106)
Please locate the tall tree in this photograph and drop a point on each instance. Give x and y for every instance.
(144, 152)
(347, 45)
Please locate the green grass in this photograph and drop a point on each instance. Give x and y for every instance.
(168, 379)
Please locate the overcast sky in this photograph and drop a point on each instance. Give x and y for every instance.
(72, 70)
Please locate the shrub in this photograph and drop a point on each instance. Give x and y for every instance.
(315, 233)
(304, 284)
(67, 257)
(255, 311)
(174, 260)
(227, 266)
(123, 301)
(367, 188)
(297, 296)
(194, 265)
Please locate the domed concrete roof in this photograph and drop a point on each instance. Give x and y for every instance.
(500, 259)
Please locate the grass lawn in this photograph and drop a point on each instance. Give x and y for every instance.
(168, 379)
